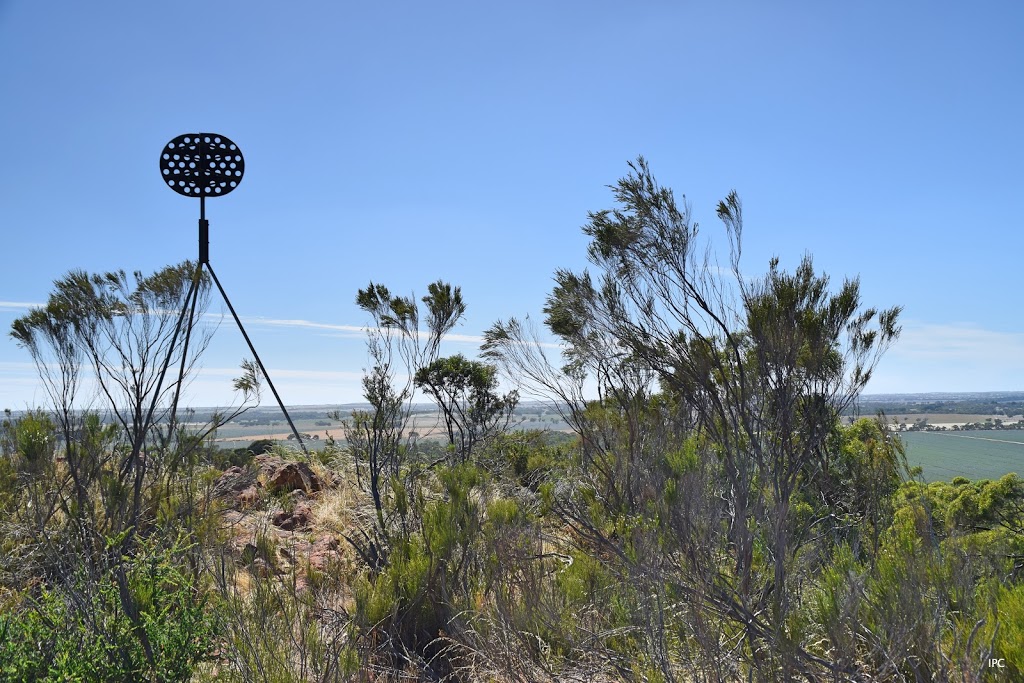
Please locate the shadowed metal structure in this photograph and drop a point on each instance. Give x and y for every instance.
(206, 165)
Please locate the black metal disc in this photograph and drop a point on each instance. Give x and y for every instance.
(202, 165)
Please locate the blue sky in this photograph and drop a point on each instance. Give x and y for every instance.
(405, 142)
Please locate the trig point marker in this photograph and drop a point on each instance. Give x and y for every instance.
(207, 165)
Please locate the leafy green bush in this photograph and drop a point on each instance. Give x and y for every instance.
(1010, 636)
(8, 485)
(89, 629)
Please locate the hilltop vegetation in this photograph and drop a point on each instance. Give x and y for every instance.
(711, 518)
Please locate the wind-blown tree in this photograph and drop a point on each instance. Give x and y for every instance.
(127, 334)
(471, 407)
(113, 346)
(419, 551)
(759, 371)
(395, 342)
(130, 336)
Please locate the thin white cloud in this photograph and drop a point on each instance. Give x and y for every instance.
(17, 367)
(308, 324)
(357, 331)
(951, 357)
(960, 342)
(18, 305)
(341, 331)
(318, 375)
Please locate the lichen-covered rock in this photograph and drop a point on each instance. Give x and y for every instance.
(299, 518)
(249, 497)
(233, 482)
(294, 475)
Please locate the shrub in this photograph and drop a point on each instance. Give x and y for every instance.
(86, 629)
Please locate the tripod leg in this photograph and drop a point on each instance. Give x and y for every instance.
(257, 356)
(184, 352)
(163, 373)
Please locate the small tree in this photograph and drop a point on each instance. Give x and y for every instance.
(760, 370)
(466, 393)
(129, 340)
(378, 436)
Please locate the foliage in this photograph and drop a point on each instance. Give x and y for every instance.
(757, 370)
(80, 630)
(709, 518)
(378, 436)
(466, 393)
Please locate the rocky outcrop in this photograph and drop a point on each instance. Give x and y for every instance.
(298, 519)
(283, 476)
(294, 476)
(233, 481)
(244, 485)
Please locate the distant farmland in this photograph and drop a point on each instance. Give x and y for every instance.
(983, 454)
(425, 423)
(987, 454)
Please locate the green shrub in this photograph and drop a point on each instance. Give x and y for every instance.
(30, 438)
(8, 485)
(81, 630)
(1010, 636)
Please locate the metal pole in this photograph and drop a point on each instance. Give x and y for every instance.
(196, 280)
(257, 356)
(204, 232)
(163, 372)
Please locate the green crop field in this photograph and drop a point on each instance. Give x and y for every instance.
(987, 454)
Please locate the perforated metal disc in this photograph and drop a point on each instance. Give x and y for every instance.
(202, 165)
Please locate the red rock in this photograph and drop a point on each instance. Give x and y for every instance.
(280, 518)
(294, 475)
(232, 481)
(248, 497)
(323, 552)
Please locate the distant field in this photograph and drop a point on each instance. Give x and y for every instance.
(427, 425)
(985, 454)
(946, 418)
(974, 454)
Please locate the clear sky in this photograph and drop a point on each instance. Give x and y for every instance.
(403, 142)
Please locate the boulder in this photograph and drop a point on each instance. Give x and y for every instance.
(233, 481)
(294, 475)
(249, 497)
(302, 514)
(267, 463)
(299, 518)
(323, 552)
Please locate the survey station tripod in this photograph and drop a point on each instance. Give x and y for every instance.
(206, 165)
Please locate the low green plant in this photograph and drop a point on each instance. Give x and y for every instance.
(1009, 638)
(144, 618)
